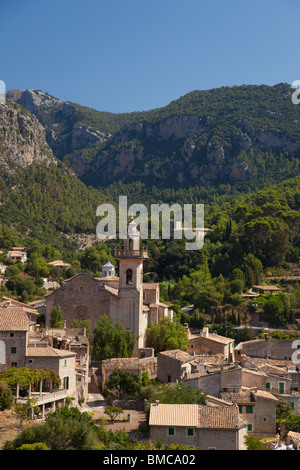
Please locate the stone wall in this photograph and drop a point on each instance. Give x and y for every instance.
(219, 439)
(8, 340)
(222, 439)
(160, 434)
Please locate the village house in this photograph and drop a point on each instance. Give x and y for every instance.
(59, 264)
(268, 348)
(258, 409)
(201, 426)
(214, 379)
(21, 345)
(266, 289)
(211, 343)
(17, 254)
(173, 365)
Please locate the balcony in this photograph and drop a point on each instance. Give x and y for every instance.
(42, 398)
(138, 254)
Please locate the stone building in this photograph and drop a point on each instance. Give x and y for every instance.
(14, 329)
(42, 356)
(211, 343)
(201, 426)
(173, 365)
(21, 345)
(216, 379)
(258, 409)
(267, 347)
(126, 299)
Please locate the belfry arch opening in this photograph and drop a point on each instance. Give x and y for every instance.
(129, 277)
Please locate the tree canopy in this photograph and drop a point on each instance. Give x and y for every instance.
(111, 340)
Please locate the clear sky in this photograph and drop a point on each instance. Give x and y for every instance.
(134, 55)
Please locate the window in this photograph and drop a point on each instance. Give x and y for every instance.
(13, 349)
(169, 378)
(249, 427)
(281, 387)
(129, 276)
(66, 383)
(268, 385)
(30, 361)
(65, 362)
(171, 432)
(12, 335)
(249, 409)
(240, 409)
(14, 364)
(190, 432)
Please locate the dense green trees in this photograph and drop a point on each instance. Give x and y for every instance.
(65, 429)
(179, 393)
(124, 383)
(57, 317)
(6, 396)
(111, 340)
(166, 335)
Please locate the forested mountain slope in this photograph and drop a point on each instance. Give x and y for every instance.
(246, 136)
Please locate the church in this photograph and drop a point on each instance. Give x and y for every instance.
(126, 298)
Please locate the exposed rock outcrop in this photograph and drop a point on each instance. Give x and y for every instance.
(22, 139)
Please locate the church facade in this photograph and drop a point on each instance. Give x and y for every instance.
(126, 299)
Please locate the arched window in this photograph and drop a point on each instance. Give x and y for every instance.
(129, 276)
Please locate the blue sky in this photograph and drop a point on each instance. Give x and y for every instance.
(135, 55)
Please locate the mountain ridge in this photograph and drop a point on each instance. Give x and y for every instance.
(217, 136)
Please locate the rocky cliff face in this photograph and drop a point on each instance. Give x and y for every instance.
(191, 141)
(61, 120)
(183, 158)
(22, 139)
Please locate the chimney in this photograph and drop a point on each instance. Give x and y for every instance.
(205, 332)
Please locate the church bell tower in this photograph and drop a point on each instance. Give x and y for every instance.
(131, 259)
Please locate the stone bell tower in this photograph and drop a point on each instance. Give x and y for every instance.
(131, 259)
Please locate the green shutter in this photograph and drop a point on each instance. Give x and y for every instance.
(249, 409)
(171, 431)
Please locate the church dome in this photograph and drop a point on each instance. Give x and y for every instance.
(108, 269)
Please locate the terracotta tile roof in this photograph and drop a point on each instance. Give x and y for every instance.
(48, 352)
(271, 369)
(199, 416)
(121, 363)
(219, 339)
(13, 319)
(107, 278)
(111, 290)
(265, 394)
(212, 337)
(181, 356)
(173, 415)
(15, 303)
(225, 417)
(240, 397)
